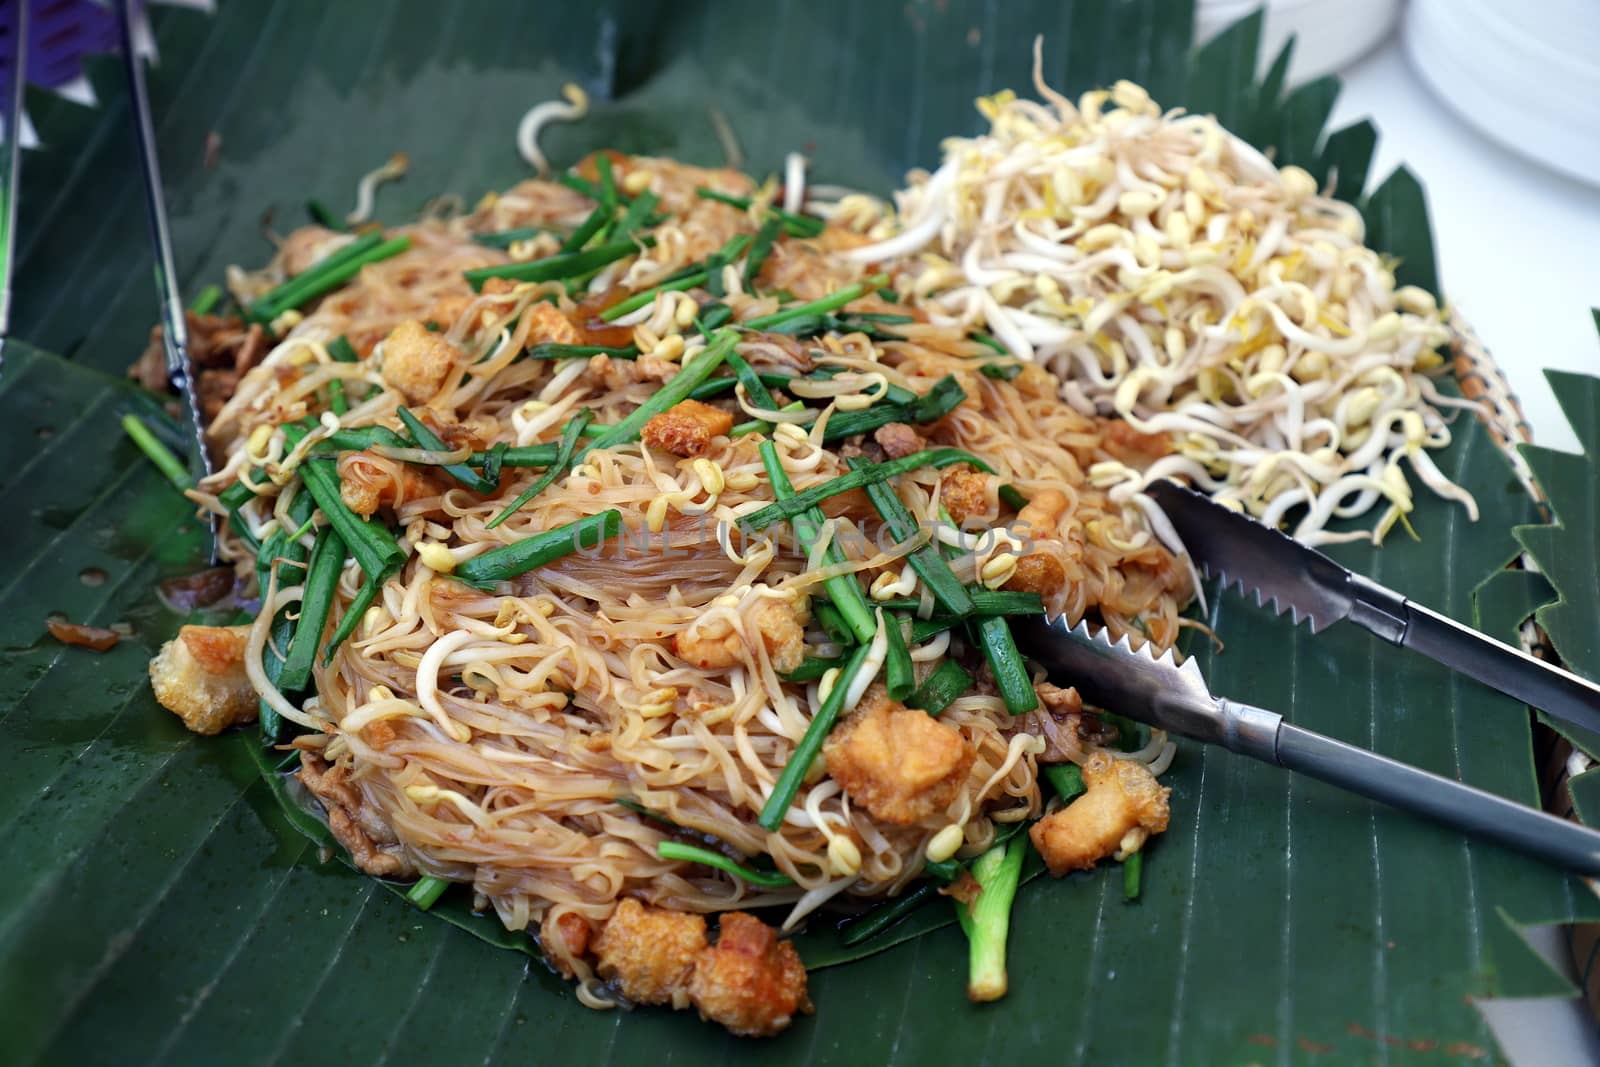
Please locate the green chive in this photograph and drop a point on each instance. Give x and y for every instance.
(373, 547)
(637, 215)
(504, 563)
(570, 436)
(929, 565)
(863, 475)
(551, 350)
(811, 669)
(342, 351)
(827, 303)
(426, 438)
(832, 623)
(984, 602)
(323, 217)
(676, 850)
(1132, 874)
(156, 452)
(327, 275)
(322, 581)
(677, 389)
(1066, 779)
(1012, 497)
(871, 923)
(1003, 372)
(557, 267)
(987, 921)
(1010, 673)
(948, 681)
(682, 280)
(842, 589)
(796, 225)
(899, 676)
(352, 616)
(427, 891)
(805, 753)
(207, 301)
(761, 249)
(590, 226)
(754, 387)
(507, 238)
(936, 403)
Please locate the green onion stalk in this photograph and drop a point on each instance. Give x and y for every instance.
(987, 921)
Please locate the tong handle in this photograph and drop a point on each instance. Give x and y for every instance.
(1418, 792)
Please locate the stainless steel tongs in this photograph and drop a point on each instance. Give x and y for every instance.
(1157, 691)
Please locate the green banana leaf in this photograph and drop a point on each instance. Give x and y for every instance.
(164, 906)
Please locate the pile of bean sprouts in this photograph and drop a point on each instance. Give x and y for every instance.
(1170, 274)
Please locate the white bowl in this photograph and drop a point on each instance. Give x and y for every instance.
(1531, 83)
(1329, 34)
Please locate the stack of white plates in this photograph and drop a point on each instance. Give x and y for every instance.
(1526, 74)
(1329, 34)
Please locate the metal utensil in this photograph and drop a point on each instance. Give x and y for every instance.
(1290, 577)
(11, 159)
(1155, 690)
(174, 327)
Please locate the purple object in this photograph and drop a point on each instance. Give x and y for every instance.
(60, 34)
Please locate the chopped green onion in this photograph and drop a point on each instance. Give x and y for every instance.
(551, 350)
(337, 402)
(280, 554)
(1066, 779)
(358, 439)
(557, 267)
(899, 676)
(923, 629)
(327, 275)
(987, 922)
(948, 681)
(156, 452)
(805, 753)
(1003, 372)
(322, 581)
(677, 389)
(761, 249)
(504, 563)
(579, 184)
(570, 435)
(677, 850)
(862, 475)
(1132, 874)
(507, 238)
(842, 589)
(352, 617)
(207, 301)
(428, 440)
(1010, 673)
(870, 924)
(828, 303)
(427, 891)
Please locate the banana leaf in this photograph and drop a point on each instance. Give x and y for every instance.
(165, 906)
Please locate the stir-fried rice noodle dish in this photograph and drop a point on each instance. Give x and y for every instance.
(637, 548)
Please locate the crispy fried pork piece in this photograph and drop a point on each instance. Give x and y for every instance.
(900, 764)
(897, 439)
(1124, 805)
(782, 626)
(965, 492)
(200, 677)
(648, 952)
(749, 981)
(417, 362)
(686, 428)
(1038, 572)
(368, 482)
